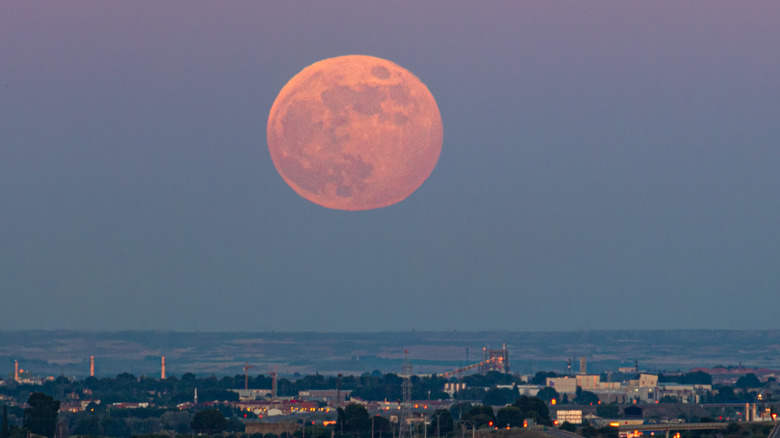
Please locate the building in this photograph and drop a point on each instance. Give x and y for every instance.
(324, 395)
(253, 394)
(572, 416)
(529, 390)
(273, 428)
(452, 388)
(564, 385)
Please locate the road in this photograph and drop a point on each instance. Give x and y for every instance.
(775, 432)
(557, 433)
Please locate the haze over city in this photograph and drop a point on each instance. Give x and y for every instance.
(605, 165)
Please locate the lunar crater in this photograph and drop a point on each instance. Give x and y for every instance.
(380, 72)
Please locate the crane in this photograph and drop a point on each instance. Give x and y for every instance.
(246, 374)
(492, 360)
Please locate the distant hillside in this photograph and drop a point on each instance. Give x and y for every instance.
(55, 352)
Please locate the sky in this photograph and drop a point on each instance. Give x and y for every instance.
(605, 165)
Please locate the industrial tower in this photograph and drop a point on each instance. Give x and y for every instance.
(495, 360)
(405, 428)
(247, 367)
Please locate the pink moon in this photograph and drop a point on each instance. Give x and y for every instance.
(354, 133)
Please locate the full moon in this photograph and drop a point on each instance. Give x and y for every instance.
(354, 133)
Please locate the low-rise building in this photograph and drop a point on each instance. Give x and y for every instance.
(573, 416)
(564, 385)
(253, 394)
(324, 395)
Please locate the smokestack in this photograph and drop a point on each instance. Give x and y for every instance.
(16, 371)
(273, 386)
(338, 390)
(196, 398)
(92, 366)
(162, 369)
(583, 365)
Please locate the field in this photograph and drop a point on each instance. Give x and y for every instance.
(67, 352)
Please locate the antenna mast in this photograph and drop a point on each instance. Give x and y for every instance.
(405, 428)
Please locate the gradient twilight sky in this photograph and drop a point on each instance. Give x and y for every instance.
(606, 165)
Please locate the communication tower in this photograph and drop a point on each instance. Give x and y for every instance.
(405, 428)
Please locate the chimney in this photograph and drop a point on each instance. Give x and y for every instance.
(16, 371)
(162, 369)
(273, 386)
(583, 365)
(92, 366)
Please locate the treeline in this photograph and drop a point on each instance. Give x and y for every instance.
(692, 378)
(354, 420)
(174, 390)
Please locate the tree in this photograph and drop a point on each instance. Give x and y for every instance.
(6, 431)
(568, 427)
(89, 425)
(353, 418)
(441, 423)
(459, 410)
(217, 395)
(115, 427)
(585, 397)
(479, 415)
(588, 431)
(748, 381)
(534, 408)
(209, 421)
(41, 417)
(509, 416)
(608, 432)
(93, 407)
(471, 394)
(235, 425)
(381, 425)
(548, 393)
(697, 378)
(494, 397)
(541, 377)
(608, 411)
